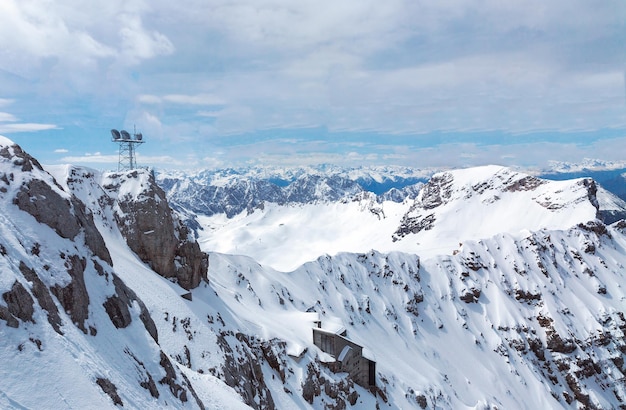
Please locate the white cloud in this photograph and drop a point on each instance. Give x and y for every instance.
(92, 159)
(137, 43)
(60, 151)
(25, 127)
(9, 123)
(183, 99)
(74, 35)
(142, 160)
(6, 117)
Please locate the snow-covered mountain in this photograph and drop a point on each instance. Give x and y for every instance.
(452, 207)
(234, 191)
(510, 296)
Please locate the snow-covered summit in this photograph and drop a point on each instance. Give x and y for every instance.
(480, 202)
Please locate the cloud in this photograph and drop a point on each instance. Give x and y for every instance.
(197, 99)
(9, 123)
(6, 117)
(362, 71)
(112, 160)
(71, 34)
(25, 127)
(61, 151)
(137, 43)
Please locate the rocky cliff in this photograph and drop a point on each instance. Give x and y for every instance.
(152, 230)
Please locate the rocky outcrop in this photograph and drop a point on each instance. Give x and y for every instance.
(242, 367)
(68, 217)
(74, 297)
(42, 294)
(117, 307)
(153, 231)
(39, 194)
(19, 305)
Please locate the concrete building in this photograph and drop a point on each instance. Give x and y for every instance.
(348, 356)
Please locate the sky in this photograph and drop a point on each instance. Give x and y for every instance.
(230, 83)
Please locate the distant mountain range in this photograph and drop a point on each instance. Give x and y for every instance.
(231, 191)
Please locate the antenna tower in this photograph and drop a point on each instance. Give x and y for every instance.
(126, 142)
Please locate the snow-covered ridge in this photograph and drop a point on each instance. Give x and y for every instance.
(452, 207)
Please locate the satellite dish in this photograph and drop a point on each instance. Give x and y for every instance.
(115, 134)
(125, 135)
(138, 137)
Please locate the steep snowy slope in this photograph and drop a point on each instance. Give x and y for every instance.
(452, 207)
(527, 323)
(73, 333)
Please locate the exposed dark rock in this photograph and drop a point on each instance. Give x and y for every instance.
(471, 295)
(93, 238)
(592, 191)
(109, 388)
(596, 227)
(557, 344)
(20, 158)
(158, 238)
(527, 296)
(8, 317)
(412, 305)
(150, 385)
(74, 297)
(118, 311)
(242, 370)
(42, 294)
(311, 386)
(473, 262)
(170, 378)
(117, 306)
(437, 191)
(65, 216)
(48, 207)
(193, 264)
(413, 224)
(527, 183)
(19, 303)
(338, 391)
(178, 390)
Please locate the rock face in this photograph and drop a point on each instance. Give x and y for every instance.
(46, 201)
(152, 231)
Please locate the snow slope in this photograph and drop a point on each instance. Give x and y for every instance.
(504, 323)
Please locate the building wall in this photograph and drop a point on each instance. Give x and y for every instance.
(353, 363)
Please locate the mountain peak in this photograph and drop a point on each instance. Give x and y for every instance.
(481, 202)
